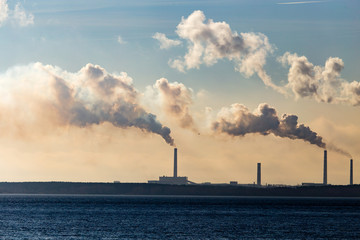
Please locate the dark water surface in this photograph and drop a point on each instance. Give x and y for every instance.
(153, 217)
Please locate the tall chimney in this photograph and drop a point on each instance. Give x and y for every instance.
(258, 174)
(175, 162)
(325, 168)
(351, 172)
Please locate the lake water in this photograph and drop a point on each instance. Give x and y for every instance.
(154, 217)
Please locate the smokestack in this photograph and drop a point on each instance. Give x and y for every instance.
(351, 172)
(325, 168)
(175, 162)
(258, 174)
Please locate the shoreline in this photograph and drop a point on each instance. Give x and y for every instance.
(146, 189)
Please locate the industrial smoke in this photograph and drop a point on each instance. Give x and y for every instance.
(209, 41)
(237, 120)
(175, 99)
(88, 97)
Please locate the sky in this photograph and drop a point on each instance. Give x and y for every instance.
(97, 91)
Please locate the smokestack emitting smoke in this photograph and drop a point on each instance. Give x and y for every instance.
(91, 96)
(325, 168)
(331, 147)
(175, 162)
(351, 172)
(258, 180)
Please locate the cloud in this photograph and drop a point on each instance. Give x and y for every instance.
(208, 42)
(18, 15)
(175, 99)
(304, 2)
(237, 120)
(24, 19)
(352, 92)
(320, 83)
(40, 95)
(165, 43)
(120, 40)
(4, 11)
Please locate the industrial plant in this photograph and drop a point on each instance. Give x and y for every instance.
(176, 180)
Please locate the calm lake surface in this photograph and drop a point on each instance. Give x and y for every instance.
(155, 217)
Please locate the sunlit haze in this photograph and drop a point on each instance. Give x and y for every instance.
(97, 91)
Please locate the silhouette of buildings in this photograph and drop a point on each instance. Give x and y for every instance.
(174, 179)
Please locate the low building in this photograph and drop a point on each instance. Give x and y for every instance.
(312, 184)
(170, 180)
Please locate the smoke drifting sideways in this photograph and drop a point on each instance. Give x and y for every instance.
(88, 97)
(237, 120)
(208, 42)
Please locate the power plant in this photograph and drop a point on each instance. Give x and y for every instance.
(172, 180)
(176, 180)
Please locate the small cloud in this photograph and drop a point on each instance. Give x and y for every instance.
(22, 18)
(202, 93)
(18, 15)
(120, 40)
(4, 9)
(304, 2)
(165, 43)
(177, 64)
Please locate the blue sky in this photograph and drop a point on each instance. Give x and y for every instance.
(70, 34)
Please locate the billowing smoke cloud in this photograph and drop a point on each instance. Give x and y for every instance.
(237, 120)
(211, 41)
(321, 83)
(90, 96)
(352, 92)
(165, 43)
(175, 99)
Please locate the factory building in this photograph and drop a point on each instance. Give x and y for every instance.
(174, 179)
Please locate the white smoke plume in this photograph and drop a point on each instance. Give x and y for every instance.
(237, 120)
(165, 43)
(175, 99)
(90, 96)
(320, 83)
(211, 41)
